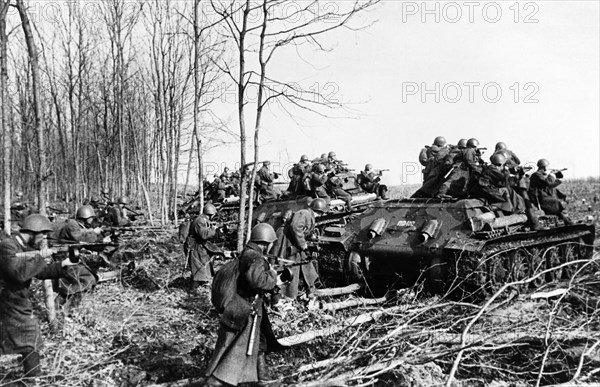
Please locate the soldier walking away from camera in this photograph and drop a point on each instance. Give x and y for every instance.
(543, 191)
(79, 278)
(245, 334)
(369, 181)
(293, 246)
(466, 169)
(117, 214)
(202, 231)
(19, 327)
(267, 190)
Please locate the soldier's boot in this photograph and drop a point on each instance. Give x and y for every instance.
(264, 376)
(32, 367)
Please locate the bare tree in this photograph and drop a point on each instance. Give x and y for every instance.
(42, 173)
(6, 135)
(276, 27)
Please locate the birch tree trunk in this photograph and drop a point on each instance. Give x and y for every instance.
(6, 135)
(35, 83)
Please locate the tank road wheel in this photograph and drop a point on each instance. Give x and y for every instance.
(553, 260)
(568, 253)
(354, 267)
(537, 265)
(498, 272)
(585, 250)
(437, 275)
(519, 269)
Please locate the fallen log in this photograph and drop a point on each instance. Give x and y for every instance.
(360, 301)
(109, 275)
(349, 322)
(323, 364)
(369, 371)
(337, 291)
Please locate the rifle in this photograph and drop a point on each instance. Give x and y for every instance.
(449, 172)
(554, 171)
(73, 249)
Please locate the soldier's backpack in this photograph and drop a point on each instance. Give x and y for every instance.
(224, 285)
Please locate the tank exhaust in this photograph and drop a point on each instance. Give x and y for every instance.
(428, 230)
(377, 227)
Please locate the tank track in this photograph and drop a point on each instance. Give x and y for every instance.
(479, 275)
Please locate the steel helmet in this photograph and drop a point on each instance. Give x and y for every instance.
(209, 209)
(331, 155)
(85, 212)
(498, 159)
(123, 200)
(323, 155)
(36, 223)
(368, 167)
(263, 232)
(304, 158)
(543, 163)
(500, 146)
(462, 143)
(439, 141)
(320, 168)
(266, 163)
(472, 143)
(319, 205)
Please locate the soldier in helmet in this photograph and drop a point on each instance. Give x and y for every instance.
(299, 177)
(438, 143)
(466, 169)
(234, 360)
(543, 191)
(202, 231)
(493, 185)
(318, 179)
(117, 214)
(293, 246)
(79, 278)
(511, 157)
(19, 328)
(369, 181)
(265, 179)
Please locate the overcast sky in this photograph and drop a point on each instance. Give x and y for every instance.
(527, 75)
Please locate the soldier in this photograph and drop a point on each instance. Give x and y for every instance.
(218, 189)
(79, 278)
(19, 328)
(226, 174)
(466, 168)
(318, 178)
(293, 246)
(335, 188)
(300, 176)
(512, 158)
(425, 153)
(202, 230)
(265, 181)
(117, 214)
(543, 191)
(493, 185)
(462, 143)
(369, 182)
(239, 357)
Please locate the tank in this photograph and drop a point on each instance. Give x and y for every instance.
(458, 247)
(330, 227)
